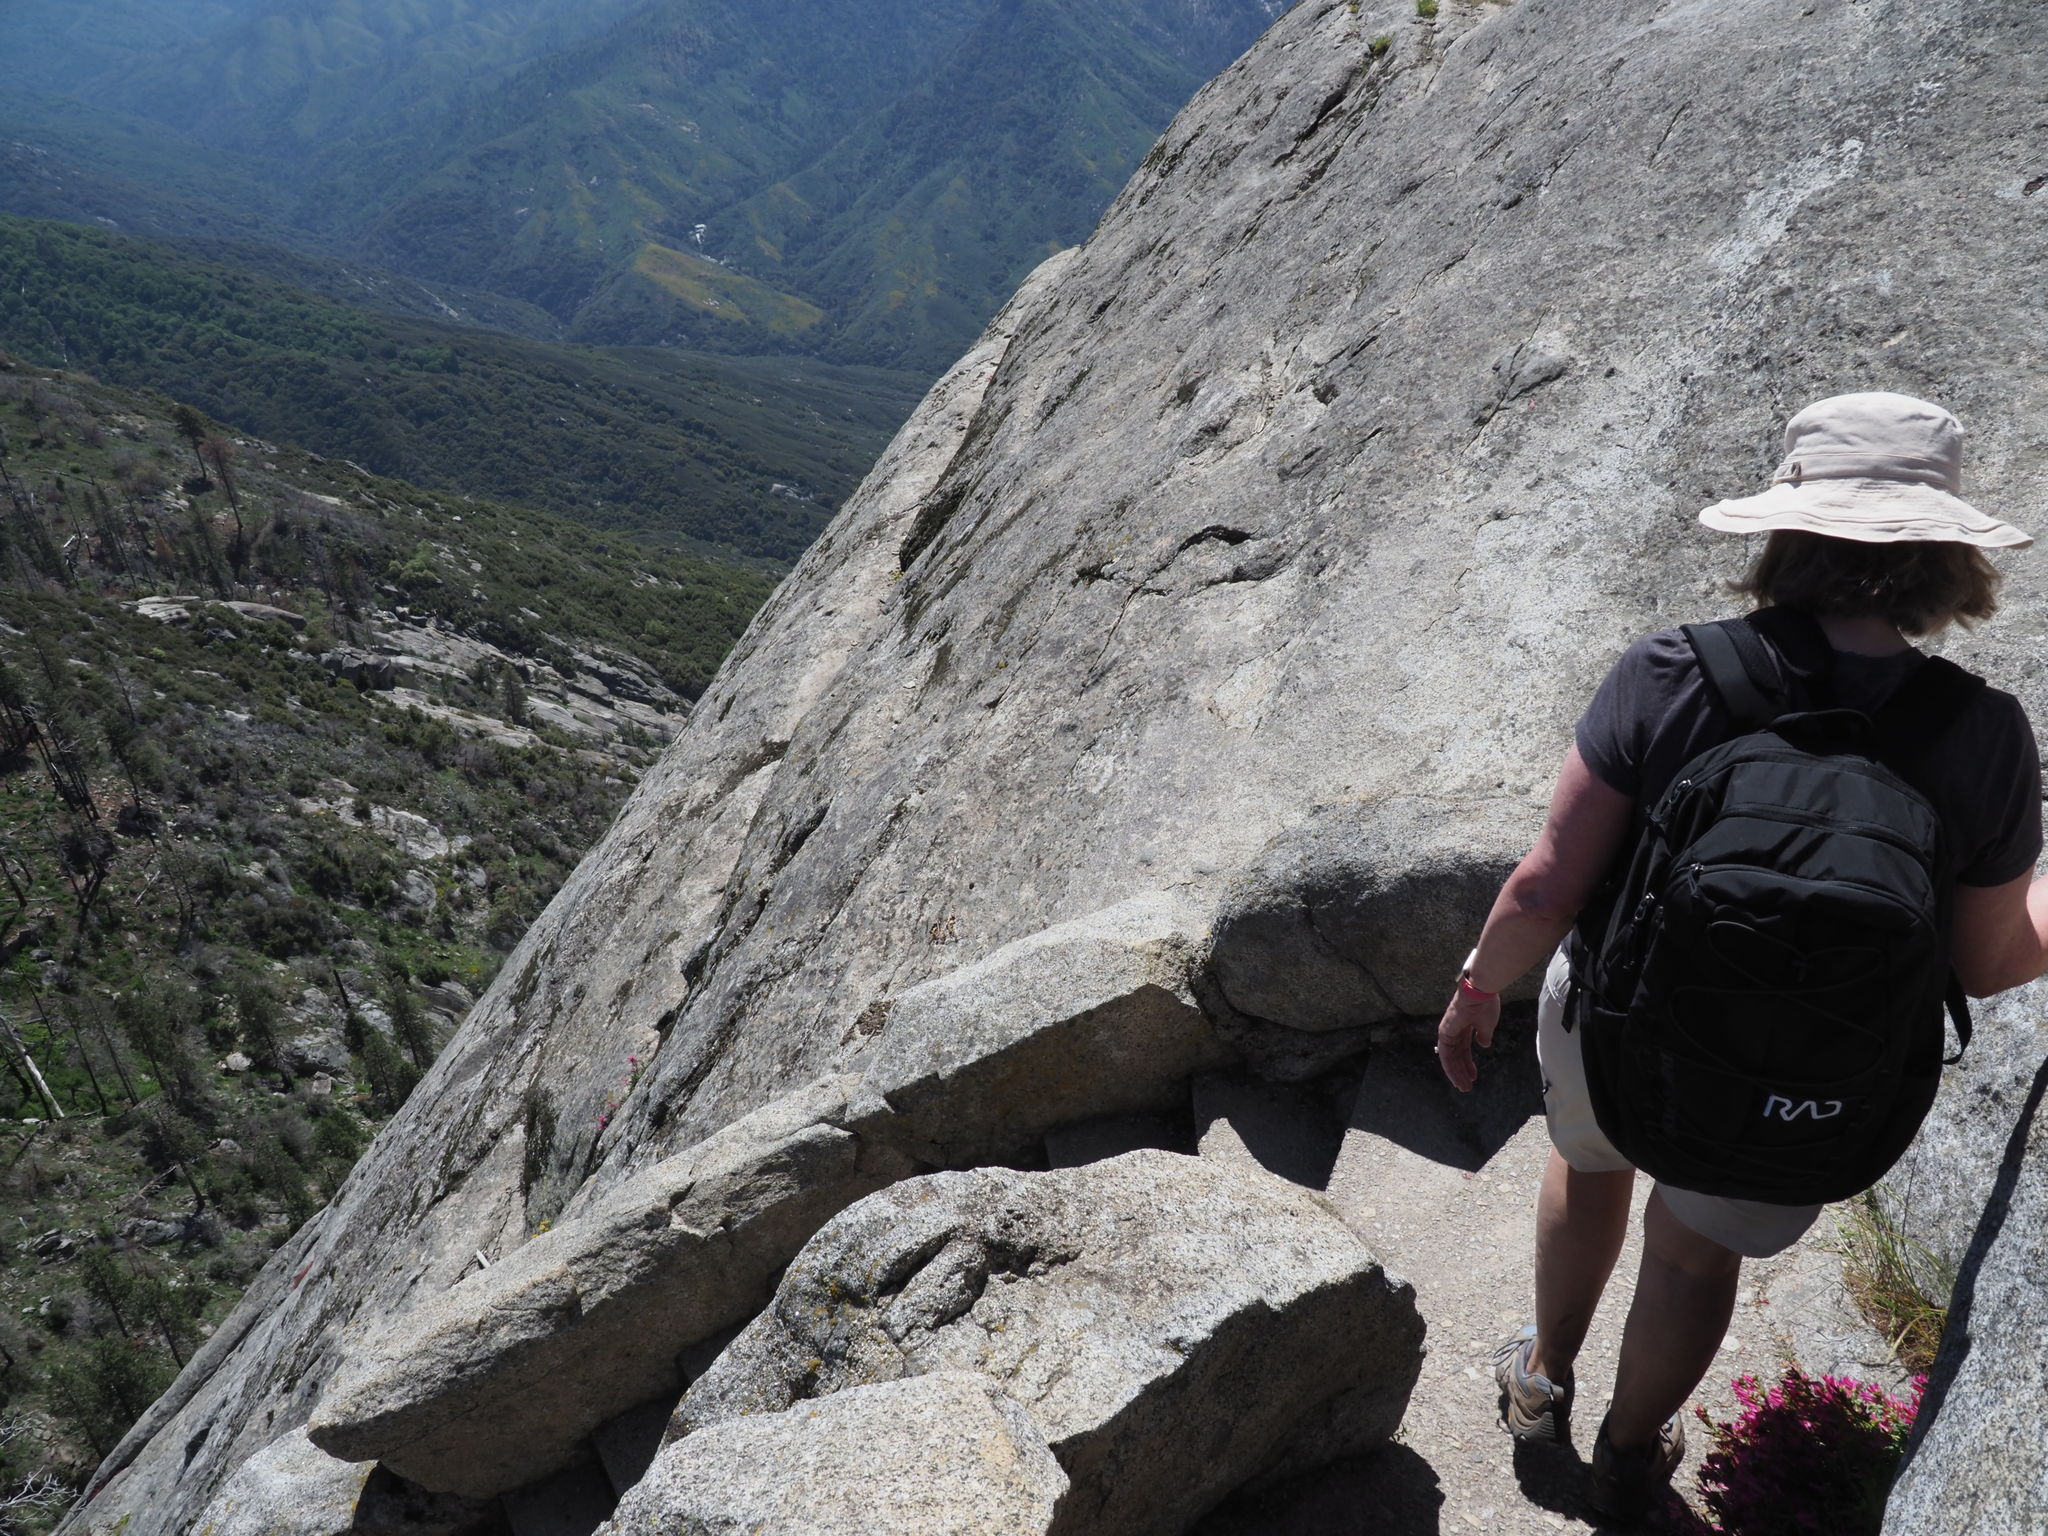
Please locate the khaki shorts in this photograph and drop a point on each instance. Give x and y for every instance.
(1748, 1227)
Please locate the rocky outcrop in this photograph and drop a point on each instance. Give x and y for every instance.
(1979, 1462)
(289, 1488)
(1357, 914)
(1092, 1017)
(1173, 1328)
(499, 1379)
(1333, 470)
(1970, 1201)
(1936, 1194)
(940, 1455)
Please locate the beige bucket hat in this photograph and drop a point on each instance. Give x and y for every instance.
(1875, 467)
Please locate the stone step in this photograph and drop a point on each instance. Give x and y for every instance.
(1291, 1130)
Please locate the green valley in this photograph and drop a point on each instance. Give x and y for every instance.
(741, 456)
(862, 183)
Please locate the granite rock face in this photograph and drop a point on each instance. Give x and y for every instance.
(1358, 913)
(1937, 1191)
(290, 1488)
(1333, 470)
(1095, 1016)
(499, 1379)
(1175, 1329)
(1980, 1462)
(940, 1455)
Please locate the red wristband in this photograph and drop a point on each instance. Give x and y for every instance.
(1465, 983)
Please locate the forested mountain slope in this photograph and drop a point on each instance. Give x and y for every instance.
(290, 755)
(747, 457)
(862, 181)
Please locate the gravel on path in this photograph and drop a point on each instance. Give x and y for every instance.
(1443, 1188)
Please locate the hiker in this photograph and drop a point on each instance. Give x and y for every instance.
(1869, 544)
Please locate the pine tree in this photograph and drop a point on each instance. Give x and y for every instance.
(277, 1172)
(219, 453)
(17, 719)
(409, 1026)
(338, 1140)
(105, 1387)
(511, 695)
(159, 1019)
(191, 426)
(175, 1309)
(180, 1146)
(392, 1077)
(108, 1282)
(256, 1012)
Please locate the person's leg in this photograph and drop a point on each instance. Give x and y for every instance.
(1685, 1295)
(1581, 1221)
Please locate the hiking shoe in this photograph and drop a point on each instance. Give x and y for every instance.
(1532, 1406)
(1626, 1484)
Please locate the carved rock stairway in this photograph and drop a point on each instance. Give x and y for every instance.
(1443, 1188)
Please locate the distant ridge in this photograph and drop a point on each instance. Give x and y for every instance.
(864, 182)
(736, 456)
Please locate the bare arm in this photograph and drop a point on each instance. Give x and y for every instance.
(1537, 906)
(2000, 937)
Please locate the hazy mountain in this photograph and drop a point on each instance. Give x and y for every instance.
(865, 182)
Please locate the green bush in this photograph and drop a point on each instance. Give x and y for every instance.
(99, 1388)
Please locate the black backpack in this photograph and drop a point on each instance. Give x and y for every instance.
(1761, 994)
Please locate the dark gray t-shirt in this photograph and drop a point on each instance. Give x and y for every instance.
(1655, 713)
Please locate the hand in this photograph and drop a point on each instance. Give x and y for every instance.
(1466, 1020)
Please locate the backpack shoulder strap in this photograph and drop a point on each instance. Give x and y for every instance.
(1917, 714)
(1959, 1011)
(1738, 667)
(1925, 705)
(1804, 661)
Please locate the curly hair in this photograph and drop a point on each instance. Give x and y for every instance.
(1920, 585)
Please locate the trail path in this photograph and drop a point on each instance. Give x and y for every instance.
(1443, 1189)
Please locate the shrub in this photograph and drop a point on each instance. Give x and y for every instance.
(1806, 1456)
(1894, 1281)
(338, 1140)
(99, 1389)
(1425, 8)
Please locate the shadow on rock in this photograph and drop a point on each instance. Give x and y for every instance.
(1291, 1130)
(1405, 1099)
(1392, 1492)
(1554, 1477)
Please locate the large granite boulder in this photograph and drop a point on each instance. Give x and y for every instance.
(289, 1488)
(1979, 1461)
(1363, 912)
(500, 1378)
(940, 1455)
(1174, 1328)
(1096, 1016)
(1935, 1195)
(1335, 468)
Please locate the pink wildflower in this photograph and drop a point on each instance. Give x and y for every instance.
(1806, 1455)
